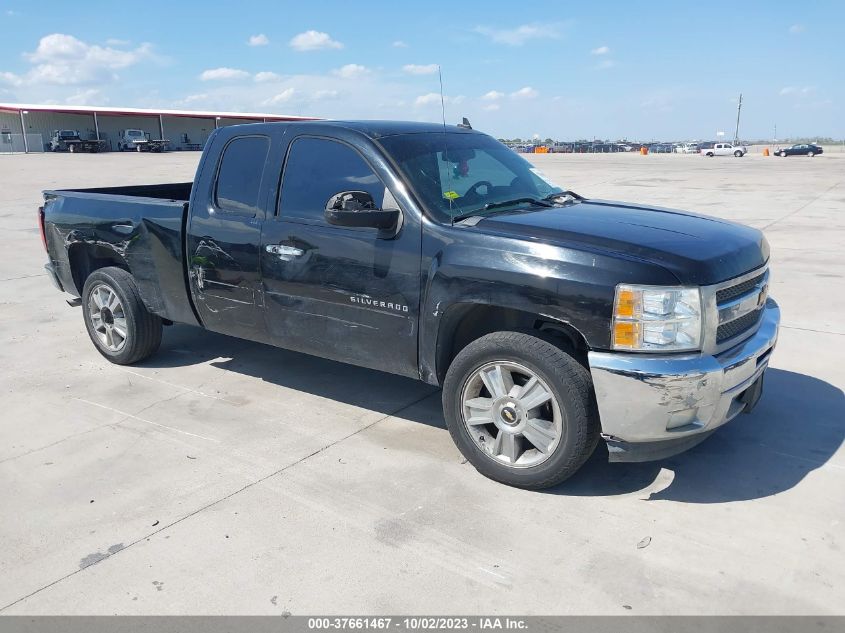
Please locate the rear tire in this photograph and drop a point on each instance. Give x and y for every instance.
(118, 322)
(524, 444)
(811, 154)
(710, 154)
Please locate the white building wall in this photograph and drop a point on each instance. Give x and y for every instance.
(43, 123)
(187, 132)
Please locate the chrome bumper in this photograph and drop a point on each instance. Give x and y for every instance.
(654, 406)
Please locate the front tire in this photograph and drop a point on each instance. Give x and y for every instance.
(118, 322)
(520, 409)
(738, 154)
(811, 154)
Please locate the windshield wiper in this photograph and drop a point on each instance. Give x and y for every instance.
(524, 200)
(563, 194)
(502, 203)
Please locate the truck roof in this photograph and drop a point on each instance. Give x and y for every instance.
(378, 129)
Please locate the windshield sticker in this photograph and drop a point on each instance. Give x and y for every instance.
(451, 195)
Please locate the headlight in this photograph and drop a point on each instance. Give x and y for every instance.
(656, 318)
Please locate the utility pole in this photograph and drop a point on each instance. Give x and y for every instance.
(738, 110)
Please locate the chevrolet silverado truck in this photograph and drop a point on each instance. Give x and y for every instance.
(550, 321)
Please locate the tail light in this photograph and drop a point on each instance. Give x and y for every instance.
(41, 227)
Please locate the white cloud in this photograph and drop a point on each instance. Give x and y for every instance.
(92, 96)
(193, 99)
(313, 41)
(796, 28)
(417, 69)
(265, 76)
(11, 78)
(283, 97)
(525, 93)
(601, 50)
(493, 95)
(113, 41)
(258, 40)
(399, 44)
(223, 74)
(351, 71)
(491, 107)
(795, 90)
(521, 34)
(427, 99)
(61, 59)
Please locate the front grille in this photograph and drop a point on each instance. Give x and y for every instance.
(738, 326)
(732, 292)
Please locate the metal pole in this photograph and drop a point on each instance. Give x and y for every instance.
(23, 130)
(161, 127)
(216, 119)
(738, 110)
(96, 126)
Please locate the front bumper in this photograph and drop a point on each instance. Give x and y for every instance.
(654, 406)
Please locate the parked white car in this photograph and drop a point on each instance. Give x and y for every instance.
(687, 148)
(725, 149)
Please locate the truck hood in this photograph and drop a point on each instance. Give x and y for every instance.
(698, 250)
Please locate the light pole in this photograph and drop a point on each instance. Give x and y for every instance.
(23, 131)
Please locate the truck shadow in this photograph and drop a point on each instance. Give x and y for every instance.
(795, 429)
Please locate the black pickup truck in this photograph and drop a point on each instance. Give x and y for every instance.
(548, 319)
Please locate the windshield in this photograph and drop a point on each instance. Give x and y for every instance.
(67, 133)
(133, 132)
(459, 174)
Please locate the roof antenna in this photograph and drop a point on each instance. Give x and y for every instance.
(446, 146)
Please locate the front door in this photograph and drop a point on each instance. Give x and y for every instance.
(350, 294)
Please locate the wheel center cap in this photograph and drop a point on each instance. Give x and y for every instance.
(509, 415)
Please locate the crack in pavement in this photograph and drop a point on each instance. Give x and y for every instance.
(802, 207)
(221, 499)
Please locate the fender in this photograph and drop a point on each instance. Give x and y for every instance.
(556, 283)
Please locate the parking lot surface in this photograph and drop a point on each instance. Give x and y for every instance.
(223, 476)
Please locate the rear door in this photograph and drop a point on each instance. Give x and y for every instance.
(350, 294)
(224, 231)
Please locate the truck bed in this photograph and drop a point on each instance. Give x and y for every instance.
(138, 227)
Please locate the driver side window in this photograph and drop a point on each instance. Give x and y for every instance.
(316, 170)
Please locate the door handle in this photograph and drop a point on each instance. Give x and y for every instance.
(285, 253)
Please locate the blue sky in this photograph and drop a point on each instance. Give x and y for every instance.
(661, 70)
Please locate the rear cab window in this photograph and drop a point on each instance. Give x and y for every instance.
(238, 185)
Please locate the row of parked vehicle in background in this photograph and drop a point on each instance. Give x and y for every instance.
(708, 149)
(129, 140)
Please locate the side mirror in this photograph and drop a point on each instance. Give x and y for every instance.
(358, 209)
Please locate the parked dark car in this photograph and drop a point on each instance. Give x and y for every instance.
(549, 320)
(803, 149)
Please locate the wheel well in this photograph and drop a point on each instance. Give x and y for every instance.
(464, 323)
(84, 259)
